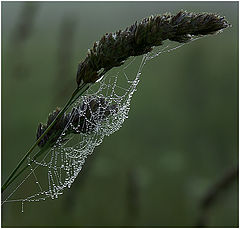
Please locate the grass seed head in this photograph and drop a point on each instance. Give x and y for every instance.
(114, 48)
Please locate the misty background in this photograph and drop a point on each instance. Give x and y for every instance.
(181, 137)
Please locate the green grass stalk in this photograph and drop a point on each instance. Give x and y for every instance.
(78, 92)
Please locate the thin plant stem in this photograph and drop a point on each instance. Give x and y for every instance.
(25, 167)
(70, 101)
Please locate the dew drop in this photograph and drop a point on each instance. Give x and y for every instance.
(22, 207)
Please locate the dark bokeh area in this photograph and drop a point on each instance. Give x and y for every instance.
(177, 149)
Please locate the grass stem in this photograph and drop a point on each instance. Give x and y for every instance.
(78, 92)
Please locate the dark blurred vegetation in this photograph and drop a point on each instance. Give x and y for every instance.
(181, 137)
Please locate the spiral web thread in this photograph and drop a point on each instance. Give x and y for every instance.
(58, 168)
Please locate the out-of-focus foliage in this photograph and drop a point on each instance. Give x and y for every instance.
(181, 136)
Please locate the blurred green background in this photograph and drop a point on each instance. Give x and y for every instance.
(181, 136)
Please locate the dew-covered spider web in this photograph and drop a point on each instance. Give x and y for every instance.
(100, 112)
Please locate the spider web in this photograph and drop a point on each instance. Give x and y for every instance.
(99, 113)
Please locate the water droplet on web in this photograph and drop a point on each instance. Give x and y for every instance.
(22, 207)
